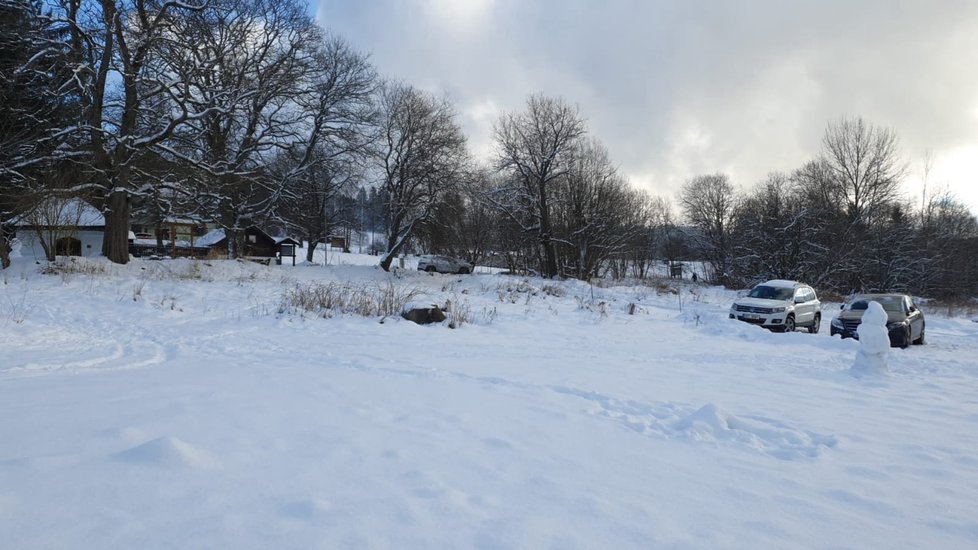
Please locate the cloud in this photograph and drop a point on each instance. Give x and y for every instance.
(675, 89)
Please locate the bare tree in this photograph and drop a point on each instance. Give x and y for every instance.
(463, 224)
(54, 222)
(708, 203)
(246, 78)
(125, 101)
(653, 218)
(776, 235)
(419, 154)
(864, 165)
(948, 241)
(36, 107)
(308, 205)
(329, 156)
(595, 214)
(536, 146)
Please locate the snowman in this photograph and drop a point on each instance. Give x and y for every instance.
(874, 342)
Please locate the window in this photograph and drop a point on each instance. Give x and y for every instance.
(252, 239)
(771, 293)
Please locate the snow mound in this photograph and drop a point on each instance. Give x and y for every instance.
(166, 452)
(708, 419)
(711, 423)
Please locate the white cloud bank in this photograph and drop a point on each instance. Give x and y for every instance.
(680, 88)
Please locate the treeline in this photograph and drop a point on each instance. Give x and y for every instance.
(839, 222)
(245, 112)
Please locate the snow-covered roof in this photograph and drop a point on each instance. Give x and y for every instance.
(781, 283)
(61, 212)
(280, 240)
(210, 238)
(181, 221)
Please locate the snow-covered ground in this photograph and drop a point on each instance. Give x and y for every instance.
(173, 404)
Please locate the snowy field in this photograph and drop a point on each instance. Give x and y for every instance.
(177, 404)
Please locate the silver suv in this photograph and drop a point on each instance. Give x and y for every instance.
(780, 305)
(443, 264)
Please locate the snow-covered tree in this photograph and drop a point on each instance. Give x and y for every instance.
(595, 210)
(329, 156)
(536, 148)
(125, 100)
(37, 108)
(775, 235)
(245, 78)
(708, 202)
(863, 163)
(419, 154)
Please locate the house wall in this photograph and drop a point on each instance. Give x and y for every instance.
(30, 244)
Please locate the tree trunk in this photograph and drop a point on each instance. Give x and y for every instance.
(159, 239)
(311, 249)
(394, 244)
(546, 241)
(235, 244)
(4, 252)
(115, 243)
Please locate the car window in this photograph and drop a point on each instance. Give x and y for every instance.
(771, 293)
(805, 295)
(892, 304)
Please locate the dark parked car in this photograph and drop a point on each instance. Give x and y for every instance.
(905, 321)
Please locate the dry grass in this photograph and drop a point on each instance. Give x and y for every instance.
(458, 311)
(952, 307)
(68, 266)
(554, 290)
(330, 299)
(514, 291)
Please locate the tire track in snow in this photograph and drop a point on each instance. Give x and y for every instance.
(99, 354)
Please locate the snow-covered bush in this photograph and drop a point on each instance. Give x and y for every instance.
(459, 313)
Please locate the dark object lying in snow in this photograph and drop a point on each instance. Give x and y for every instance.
(424, 315)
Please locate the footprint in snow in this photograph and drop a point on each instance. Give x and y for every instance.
(708, 423)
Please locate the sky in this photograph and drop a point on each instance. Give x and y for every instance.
(675, 89)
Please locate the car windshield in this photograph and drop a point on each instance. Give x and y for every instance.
(771, 293)
(890, 303)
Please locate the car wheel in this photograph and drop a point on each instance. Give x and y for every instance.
(920, 341)
(463, 271)
(789, 323)
(430, 269)
(815, 324)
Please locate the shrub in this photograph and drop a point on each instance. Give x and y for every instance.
(329, 299)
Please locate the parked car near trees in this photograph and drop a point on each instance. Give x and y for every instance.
(780, 305)
(905, 321)
(443, 264)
